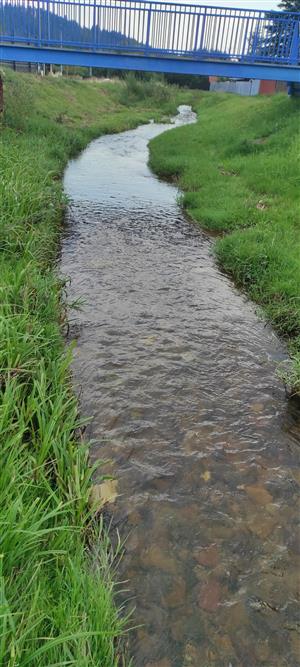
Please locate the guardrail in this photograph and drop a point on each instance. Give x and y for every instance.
(153, 28)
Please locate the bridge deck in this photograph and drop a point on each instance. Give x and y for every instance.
(152, 36)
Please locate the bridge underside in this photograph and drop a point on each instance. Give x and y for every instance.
(147, 63)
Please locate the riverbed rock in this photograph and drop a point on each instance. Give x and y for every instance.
(164, 662)
(190, 513)
(262, 651)
(258, 408)
(137, 413)
(134, 518)
(262, 524)
(156, 557)
(132, 541)
(177, 630)
(295, 644)
(224, 644)
(259, 494)
(176, 597)
(200, 572)
(209, 595)
(207, 556)
(234, 617)
(148, 642)
(191, 442)
(191, 656)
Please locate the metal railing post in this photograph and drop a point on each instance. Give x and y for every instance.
(197, 32)
(294, 56)
(48, 23)
(148, 29)
(94, 25)
(39, 23)
(203, 31)
(152, 28)
(255, 43)
(245, 38)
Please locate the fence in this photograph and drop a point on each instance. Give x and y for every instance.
(153, 28)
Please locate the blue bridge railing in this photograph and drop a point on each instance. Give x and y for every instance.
(150, 28)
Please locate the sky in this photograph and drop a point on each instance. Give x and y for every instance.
(244, 4)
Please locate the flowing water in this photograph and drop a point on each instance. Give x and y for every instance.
(178, 373)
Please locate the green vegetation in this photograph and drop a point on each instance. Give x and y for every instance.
(290, 5)
(57, 591)
(238, 167)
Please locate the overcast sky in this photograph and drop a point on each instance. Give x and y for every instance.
(248, 4)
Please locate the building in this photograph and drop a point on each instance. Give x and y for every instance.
(246, 87)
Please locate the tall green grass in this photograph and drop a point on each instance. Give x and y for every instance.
(238, 167)
(57, 586)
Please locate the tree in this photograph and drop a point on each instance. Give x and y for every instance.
(290, 5)
(274, 41)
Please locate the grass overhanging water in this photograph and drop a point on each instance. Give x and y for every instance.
(238, 167)
(57, 562)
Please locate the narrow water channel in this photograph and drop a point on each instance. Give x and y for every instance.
(178, 373)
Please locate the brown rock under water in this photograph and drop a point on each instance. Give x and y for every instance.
(191, 657)
(176, 597)
(259, 494)
(156, 557)
(209, 595)
(207, 556)
(262, 525)
(165, 662)
(262, 650)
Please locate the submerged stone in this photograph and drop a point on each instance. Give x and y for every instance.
(156, 557)
(176, 597)
(209, 595)
(207, 556)
(259, 494)
(165, 662)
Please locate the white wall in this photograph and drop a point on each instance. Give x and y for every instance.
(237, 87)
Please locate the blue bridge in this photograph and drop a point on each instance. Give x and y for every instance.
(152, 36)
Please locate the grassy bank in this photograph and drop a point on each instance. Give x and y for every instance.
(239, 171)
(57, 591)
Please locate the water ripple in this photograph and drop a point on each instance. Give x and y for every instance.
(179, 375)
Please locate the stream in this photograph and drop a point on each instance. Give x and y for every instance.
(179, 375)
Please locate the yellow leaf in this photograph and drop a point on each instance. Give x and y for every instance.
(149, 340)
(206, 476)
(103, 493)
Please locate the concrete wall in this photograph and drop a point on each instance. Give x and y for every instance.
(238, 87)
(252, 87)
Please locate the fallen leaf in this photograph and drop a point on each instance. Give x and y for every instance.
(149, 340)
(103, 493)
(206, 476)
(188, 356)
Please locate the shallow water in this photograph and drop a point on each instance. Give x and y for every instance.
(179, 375)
